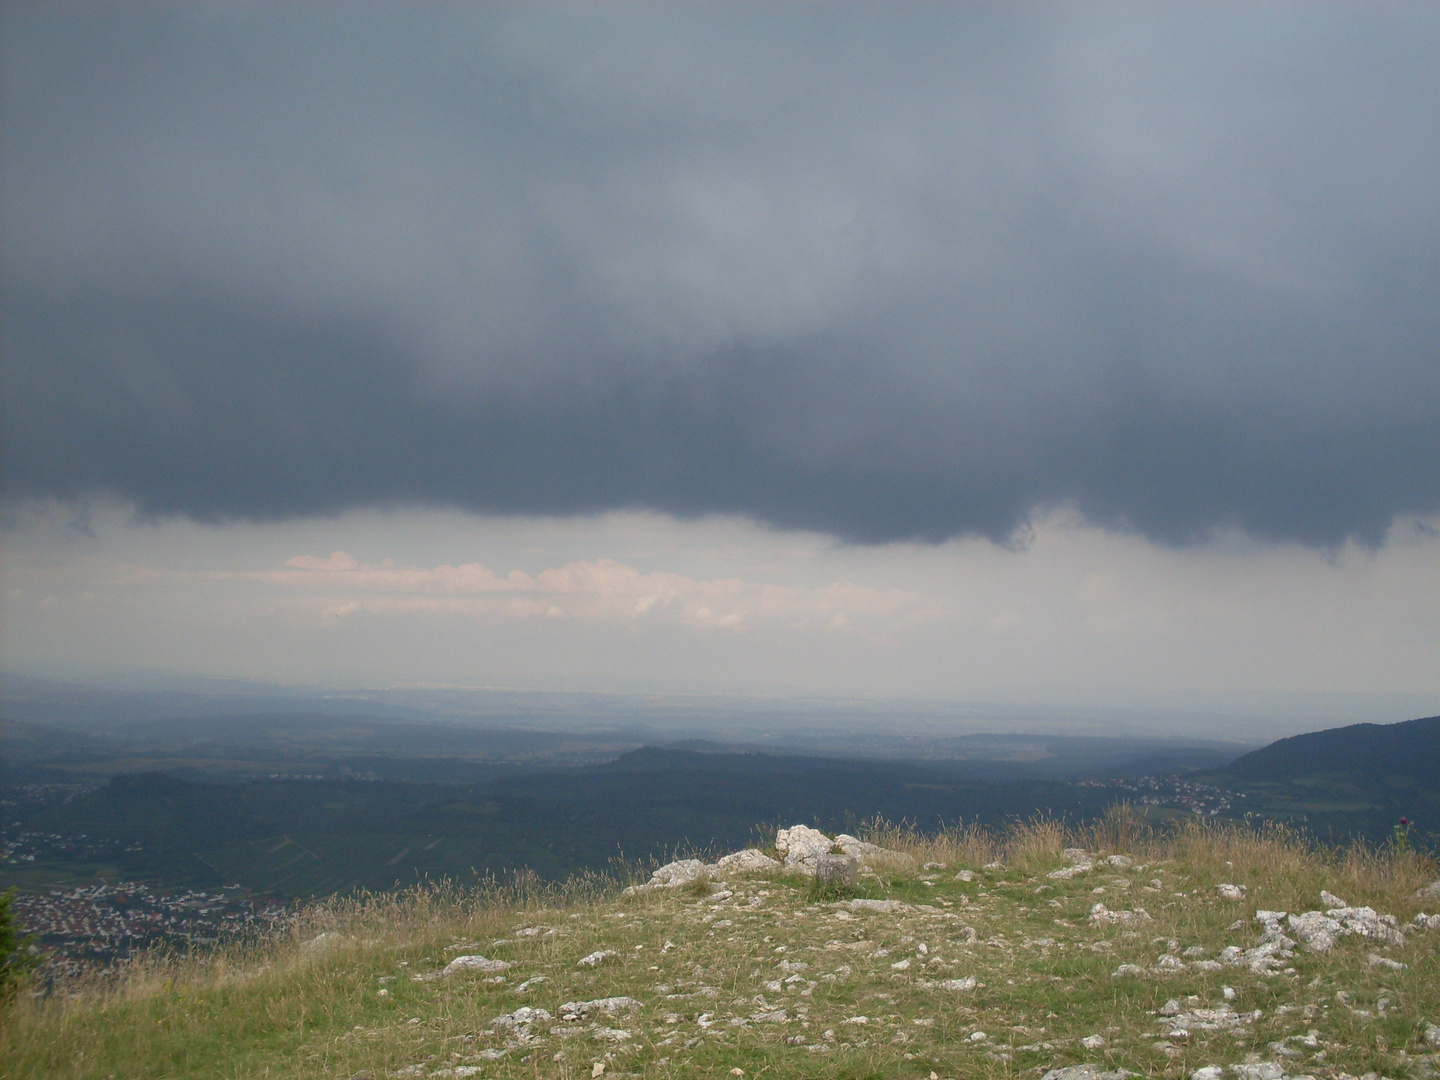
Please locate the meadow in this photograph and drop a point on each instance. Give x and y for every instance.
(978, 953)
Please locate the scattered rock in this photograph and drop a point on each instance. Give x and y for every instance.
(1086, 1072)
(1368, 923)
(800, 846)
(965, 875)
(837, 870)
(1103, 916)
(595, 959)
(749, 861)
(1259, 1070)
(887, 907)
(1120, 861)
(967, 983)
(1220, 1018)
(1319, 931)
(1228, 891)
(1093, 1042)
(522, 1017)
(1376, 960)
(476, 962)
(1080, 863)
(1208, 1072)
(611, 1006)
(1433, 889)
(672, 876)
(1330, 900)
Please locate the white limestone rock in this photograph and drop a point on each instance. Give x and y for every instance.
(799, 846)
(962, 985)
(1260, 1070)
(1228, 891)
(887, 907)
(476, 962)
(837, 870)
(673, 875)
(522, 1018)
(1103, 916)
(610, 1006)
(1367, 922)
(749, 861)
(1317, 931)
(1086, 1072)
(1220, 1018)
(1080, 863)
(874, 857)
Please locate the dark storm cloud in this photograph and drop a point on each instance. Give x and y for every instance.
(886, 273)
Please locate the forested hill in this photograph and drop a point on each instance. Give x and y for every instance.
(1408, 750)
(305, 837)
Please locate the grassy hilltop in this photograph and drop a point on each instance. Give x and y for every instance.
(989, 964)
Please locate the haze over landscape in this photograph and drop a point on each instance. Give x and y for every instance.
(453, 395)
(691, 540)
(1081, 356)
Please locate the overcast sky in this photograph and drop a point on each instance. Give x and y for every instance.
(904, 349)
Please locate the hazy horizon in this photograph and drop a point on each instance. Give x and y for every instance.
(1066, 359)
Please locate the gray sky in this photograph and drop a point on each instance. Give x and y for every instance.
(1141, 294)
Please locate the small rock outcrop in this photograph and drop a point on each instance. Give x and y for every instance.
(837, 870)
(802, 850)
(749, 861)
(802, 847)
(476, 962)
(1103, 916)
(1086, 1072)
(1320, 930)
(611, 1006)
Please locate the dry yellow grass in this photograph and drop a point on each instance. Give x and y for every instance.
(764, 978)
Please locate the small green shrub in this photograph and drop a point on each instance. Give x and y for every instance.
(16, 960)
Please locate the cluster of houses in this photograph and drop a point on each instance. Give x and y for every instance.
(79, 927)
(1172, 791)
